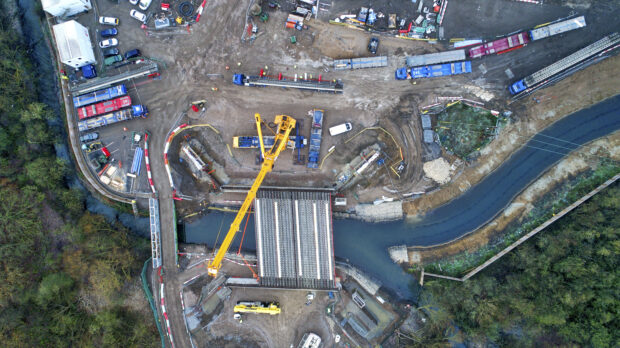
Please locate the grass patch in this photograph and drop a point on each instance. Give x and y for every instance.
(463, 129)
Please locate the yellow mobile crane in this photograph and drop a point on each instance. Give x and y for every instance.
(257, 307)
(285, 126)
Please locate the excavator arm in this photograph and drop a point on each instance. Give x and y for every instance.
(285, 126)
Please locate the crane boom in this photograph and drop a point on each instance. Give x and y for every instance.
(285, 126)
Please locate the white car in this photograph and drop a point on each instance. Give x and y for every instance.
(108, 43)
(138, 15)
(108, 20)
(133, 2)
(144, 4)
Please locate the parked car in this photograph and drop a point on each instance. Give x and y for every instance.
(89, 137)
(144, 4)
(110, 52)
(138, 15)
(133, 2)
(373, 45)
(109, 32)
(132, 54)
(108, 20)
(108, 43)
(113, 59)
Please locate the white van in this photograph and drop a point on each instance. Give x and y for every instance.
(339, 129)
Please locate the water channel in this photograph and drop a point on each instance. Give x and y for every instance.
(364, 244)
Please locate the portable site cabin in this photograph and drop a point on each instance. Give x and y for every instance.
(74, 45)
(65, 8)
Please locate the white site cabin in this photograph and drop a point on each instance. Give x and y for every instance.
(65, 8)
(74, 44)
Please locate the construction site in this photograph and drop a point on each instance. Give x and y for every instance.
(286, 116)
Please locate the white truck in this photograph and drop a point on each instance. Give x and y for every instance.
(339, 129)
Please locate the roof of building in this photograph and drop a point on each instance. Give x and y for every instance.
(294, 239)
(68, 36)
(426, 121)
(429, 136)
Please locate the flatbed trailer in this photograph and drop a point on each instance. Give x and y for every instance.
(360, 63)
(557, 28)
(307, 85)
(565, 63)
(316, 134)
(436, 58)
(500, 46)
(113, 117)
(430, 71)
(103, 107)
(100, 95)
(252, 142)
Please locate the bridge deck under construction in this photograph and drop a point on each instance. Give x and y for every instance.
(294, 239)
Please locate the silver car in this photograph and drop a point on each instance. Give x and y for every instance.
(108, 43)
(138, 15)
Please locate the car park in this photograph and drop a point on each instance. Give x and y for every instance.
(109, 32)
(108, 20)
(113, 59)
(110, 52)
(144, 4)
(138, 15)
(373, 45)
(132, 54)
(108, 43)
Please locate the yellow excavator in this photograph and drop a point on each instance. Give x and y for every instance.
(285, 126)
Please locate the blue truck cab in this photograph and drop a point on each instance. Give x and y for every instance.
(139, 110)
(238, 79)
(517, 87)
(88, 71)
(401, 74)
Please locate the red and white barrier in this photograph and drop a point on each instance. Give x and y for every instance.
(166, 148)
(148, 165)
(163, 310)
(200, 9)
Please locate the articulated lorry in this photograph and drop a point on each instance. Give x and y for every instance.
(433, 71)
(565, 63)
(252, 142)
(113, 117)
(103, 107)
(307, 85)
(500, 46)
(316, 134)
(100, 95)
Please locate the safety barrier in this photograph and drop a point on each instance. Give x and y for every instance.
(148, 165)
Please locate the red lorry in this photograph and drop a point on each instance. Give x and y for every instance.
(103, 107)
(500, 46)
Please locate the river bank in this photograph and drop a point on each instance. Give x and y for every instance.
(530, 116)
(580, 171)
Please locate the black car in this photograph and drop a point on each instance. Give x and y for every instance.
(132, 54)
(373, 45)
(110, 52)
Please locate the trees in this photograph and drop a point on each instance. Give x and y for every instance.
(561, 285)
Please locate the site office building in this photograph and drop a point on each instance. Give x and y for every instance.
(74, 44)
(65, 8)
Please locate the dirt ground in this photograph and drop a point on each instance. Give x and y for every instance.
(581, 160)
(576, 92)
